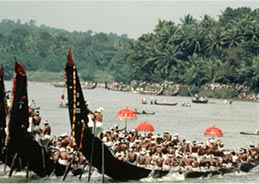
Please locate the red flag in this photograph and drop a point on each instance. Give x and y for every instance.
(2, 73)
(14, 86)
(70, 58)
(19, 69)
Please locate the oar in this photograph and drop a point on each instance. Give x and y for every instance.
(91, 157)
(82, 171)
(103, 162)
(69, 166)
(6, 157)
(43, 160)
(12, 165)
(28, 169)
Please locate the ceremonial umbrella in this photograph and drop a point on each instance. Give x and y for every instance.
(145, 126)
(213, 131)
(126, 114)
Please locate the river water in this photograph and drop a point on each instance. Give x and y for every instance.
(188, 122)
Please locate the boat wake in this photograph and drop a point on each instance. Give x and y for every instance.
(172, 176)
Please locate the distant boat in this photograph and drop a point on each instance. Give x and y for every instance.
(164, 103)
(248, 133)
(144, 112)
(200, 100)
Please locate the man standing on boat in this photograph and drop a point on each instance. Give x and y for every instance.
(45, 137)
(90, 119)
(98, 119)
(47, 128)
(32, 105)
(98, 116)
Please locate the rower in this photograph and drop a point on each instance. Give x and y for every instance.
(98, 119)
(47, 128)
(141, 158)
(32, 105)
(132, 156)
(90, 119)
(168, 162)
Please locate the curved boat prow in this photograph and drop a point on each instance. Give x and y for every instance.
(91, 146)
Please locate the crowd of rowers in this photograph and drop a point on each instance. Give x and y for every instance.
(161, 151)
(169, 152)
(62, 149)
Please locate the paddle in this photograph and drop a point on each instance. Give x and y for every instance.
(12, 165)
(28, 169)
(43, 160)
(5, 162)
(69, 166)
(82, 171)
(91, 157)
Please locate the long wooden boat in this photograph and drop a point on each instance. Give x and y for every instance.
(165, 103)
(3, 112)
(99, 155)
(171, 93)
(246, 167)
(200, 100)
(91, 146)
(21, 145)
(208, 172)
(248, 133)
(144, 112)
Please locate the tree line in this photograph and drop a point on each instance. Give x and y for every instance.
(193, 52)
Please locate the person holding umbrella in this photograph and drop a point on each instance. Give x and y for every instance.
(126, 114)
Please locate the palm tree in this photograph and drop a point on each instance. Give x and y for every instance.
(252, 32)
(213, 42)
(199, 71)
(168, 59)
(165, 32)
(232, 38)
(195, 41)
(187, 20)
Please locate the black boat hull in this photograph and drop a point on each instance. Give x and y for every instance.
(148, 113)
(113, 167)
(21, 144)
(247, 133)
(166, 104)
(200, 101)
(91, 146)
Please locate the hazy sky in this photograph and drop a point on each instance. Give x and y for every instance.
(121, 17)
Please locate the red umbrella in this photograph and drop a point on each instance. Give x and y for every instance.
(126, 114)
(213, 131)
(145, 126)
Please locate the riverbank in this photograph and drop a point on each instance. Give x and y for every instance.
(166, 88)
(214, 90)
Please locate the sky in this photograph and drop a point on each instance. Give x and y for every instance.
(130, 17)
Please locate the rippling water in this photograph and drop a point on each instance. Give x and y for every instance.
(188, 122)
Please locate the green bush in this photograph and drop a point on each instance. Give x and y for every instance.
(45, 76)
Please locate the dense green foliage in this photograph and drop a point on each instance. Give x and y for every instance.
(199, 52)
(98, 56)
(192, 52)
